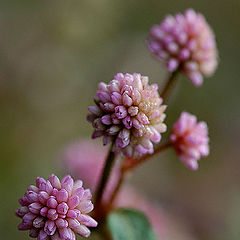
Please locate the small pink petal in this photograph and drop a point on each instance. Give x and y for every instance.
(52, 214)
(73, 201)
(52, 202)
(83, 230)
(62, 208)
(38, 222)
(50, 227)
(62, 195)
(35, 207)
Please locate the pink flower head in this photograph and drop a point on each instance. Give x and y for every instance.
(56, 210)
(129, 113)
(190, 140)
(185, 42)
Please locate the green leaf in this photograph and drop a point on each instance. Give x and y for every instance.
(129, 224)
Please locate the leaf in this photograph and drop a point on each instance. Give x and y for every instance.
(129, 224)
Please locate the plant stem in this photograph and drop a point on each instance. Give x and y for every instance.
(171, 80)
(105, 176)
(134, 163)
(117, 188)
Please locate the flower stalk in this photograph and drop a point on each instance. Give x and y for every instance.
(117, 189)
(133, 163)
(105, 176)
(130, 164)
(169, 84)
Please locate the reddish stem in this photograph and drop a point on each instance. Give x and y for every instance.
(170, 82)
(133, 163)
(100, 210)
(117, 188)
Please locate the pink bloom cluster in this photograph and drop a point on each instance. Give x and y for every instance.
(190, 140)
(129, 113)
(56, 210)
(185, 42)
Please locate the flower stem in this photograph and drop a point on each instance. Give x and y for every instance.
(170, 82)
(105, 176)
(133, 163)
(117, 188)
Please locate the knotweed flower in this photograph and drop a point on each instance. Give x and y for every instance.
(190, 140)
(185, 42)
(129, 113)
(56, 210)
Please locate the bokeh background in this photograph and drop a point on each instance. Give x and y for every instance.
(52, 56)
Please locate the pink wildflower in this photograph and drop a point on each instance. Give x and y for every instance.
(185, 42)
(56, 210)
(190, 140)
(129, 113)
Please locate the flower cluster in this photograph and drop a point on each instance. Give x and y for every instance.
(185, 42)
(56, 210)
(129, 113)
(190, 140)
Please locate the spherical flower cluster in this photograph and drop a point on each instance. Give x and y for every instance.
(54, 210)
(185, 42)
(190, 140)
(129, 114)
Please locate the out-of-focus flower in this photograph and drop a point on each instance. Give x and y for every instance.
(85, 159)
(91, 156)
(165, 225)
(130, 198)
(190, 140)
(129, 113)
(56, 210)
(185, 42)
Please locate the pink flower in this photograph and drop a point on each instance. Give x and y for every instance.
(85, 159)
(190, 140)
(185, 42)
(129, 113)
(56, 210)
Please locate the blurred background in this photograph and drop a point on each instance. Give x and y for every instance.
(52, 56)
